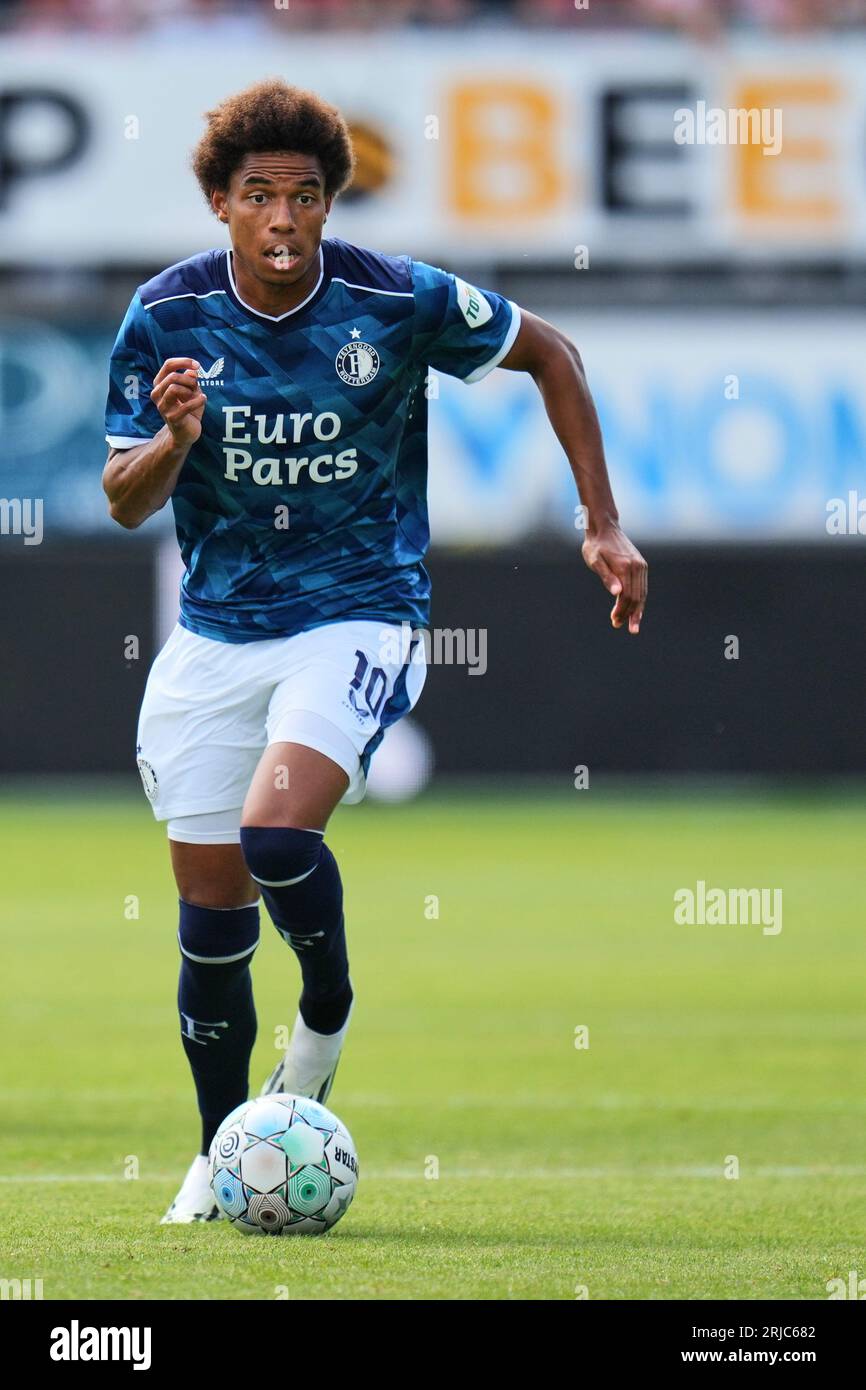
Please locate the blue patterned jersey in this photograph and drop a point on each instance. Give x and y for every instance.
(304, 501)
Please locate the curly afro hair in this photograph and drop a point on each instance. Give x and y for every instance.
(271, 116)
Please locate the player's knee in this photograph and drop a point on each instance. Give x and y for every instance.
(216, 894)
(281, 856)
(218, 936)
(209, 875)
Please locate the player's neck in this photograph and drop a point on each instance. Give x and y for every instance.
(274, 299)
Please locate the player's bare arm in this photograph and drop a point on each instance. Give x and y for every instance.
(554, 363)
(139, 481)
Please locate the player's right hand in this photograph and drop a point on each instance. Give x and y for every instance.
(179, 398)
(622, 570)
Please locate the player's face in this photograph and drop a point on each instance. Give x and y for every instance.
(275, 208)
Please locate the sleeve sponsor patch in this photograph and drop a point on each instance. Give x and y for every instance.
(474, 307)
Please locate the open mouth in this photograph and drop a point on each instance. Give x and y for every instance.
(283, 257)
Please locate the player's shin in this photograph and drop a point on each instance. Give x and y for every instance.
(303, 892)
(215, 1000)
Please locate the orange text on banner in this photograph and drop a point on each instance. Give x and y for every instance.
(503, 151)
(758, 177)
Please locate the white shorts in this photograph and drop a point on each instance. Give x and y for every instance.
(211, 708)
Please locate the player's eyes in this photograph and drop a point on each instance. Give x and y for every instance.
(306, 198)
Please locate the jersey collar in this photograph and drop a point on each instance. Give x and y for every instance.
(316, 292)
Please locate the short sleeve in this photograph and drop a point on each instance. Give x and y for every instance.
(130, 418)
(458, 329)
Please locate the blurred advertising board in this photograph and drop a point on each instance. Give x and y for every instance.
(717, 425)
(723, 425)
(485, 145)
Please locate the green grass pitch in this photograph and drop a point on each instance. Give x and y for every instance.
(560, 1169)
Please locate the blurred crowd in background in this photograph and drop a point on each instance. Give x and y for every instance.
(698, 18)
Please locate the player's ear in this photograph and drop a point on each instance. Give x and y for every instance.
(218, 203)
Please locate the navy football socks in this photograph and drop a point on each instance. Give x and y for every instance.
(303, 892)
(215, 1000)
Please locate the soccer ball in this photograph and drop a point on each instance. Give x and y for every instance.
(282, 1165)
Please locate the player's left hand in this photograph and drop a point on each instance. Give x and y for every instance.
(622, 570)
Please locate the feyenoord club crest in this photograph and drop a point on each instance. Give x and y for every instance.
(148, 778)
(357, 363)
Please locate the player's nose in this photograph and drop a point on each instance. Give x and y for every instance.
(281, 219)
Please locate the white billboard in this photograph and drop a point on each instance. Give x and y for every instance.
(475, 146)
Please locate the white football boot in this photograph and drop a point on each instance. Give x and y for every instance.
(195, 1201)
(309, 1064)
